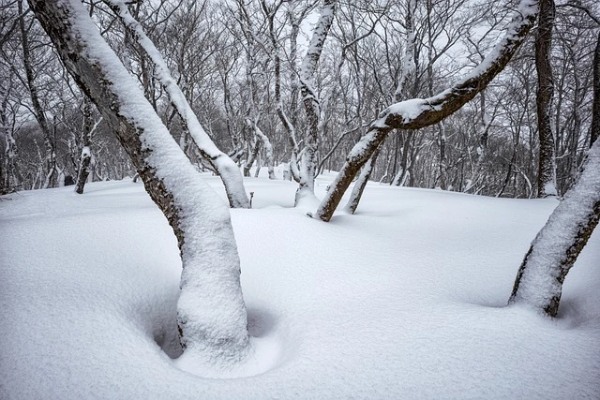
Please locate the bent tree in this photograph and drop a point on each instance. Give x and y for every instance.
(556, 247)
(219, 161)
(211, 313)
(414, 114)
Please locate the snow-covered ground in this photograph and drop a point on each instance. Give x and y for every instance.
(405, 300)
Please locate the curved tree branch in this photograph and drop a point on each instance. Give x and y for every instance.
(418, 113)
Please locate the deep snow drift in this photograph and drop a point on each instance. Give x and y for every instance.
(404, 300)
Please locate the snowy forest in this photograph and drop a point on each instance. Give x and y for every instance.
(299, 199)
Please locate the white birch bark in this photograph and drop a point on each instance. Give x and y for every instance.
(310, 99)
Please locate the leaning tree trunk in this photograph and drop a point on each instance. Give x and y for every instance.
(361, 183)
(266, 144)
(211, 312)
(228, 171)
(556, 247)
(418, 113)
(545, 93)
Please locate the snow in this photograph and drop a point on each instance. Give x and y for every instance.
(404, 300)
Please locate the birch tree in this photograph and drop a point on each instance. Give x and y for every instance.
(311, 101)
(211, 313)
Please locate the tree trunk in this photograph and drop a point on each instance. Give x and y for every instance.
(310, 100)
(595, 131)
(86, 152)
(361, 183)
(556, 247)
(211, 312)
(10, 177)
(287, 124)
(252, 157)
(545, 93)
(219, 161)
(266, 144)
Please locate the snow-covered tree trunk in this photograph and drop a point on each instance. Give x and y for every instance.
(406, 85)
(211, 312)
(409, 66)
(252, 156)
(219, 161)
(556, 247)
(86, 151)
(11, 178)
(310, 99)
(545, 93)
(266, 145)
(361, 183)
(418, 113)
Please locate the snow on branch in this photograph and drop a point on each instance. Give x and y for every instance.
(226, 168)
(419, 113)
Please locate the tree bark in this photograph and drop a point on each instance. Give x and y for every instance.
(419, 113)
(310, 100)
(86, 152)
(219, 161)
(287, 124)
(545, 93)
(361, 183)
(595, 131)
(11, 177)
(211, 312)
(556, 247)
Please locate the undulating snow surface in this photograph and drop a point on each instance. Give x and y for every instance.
(404, 300)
